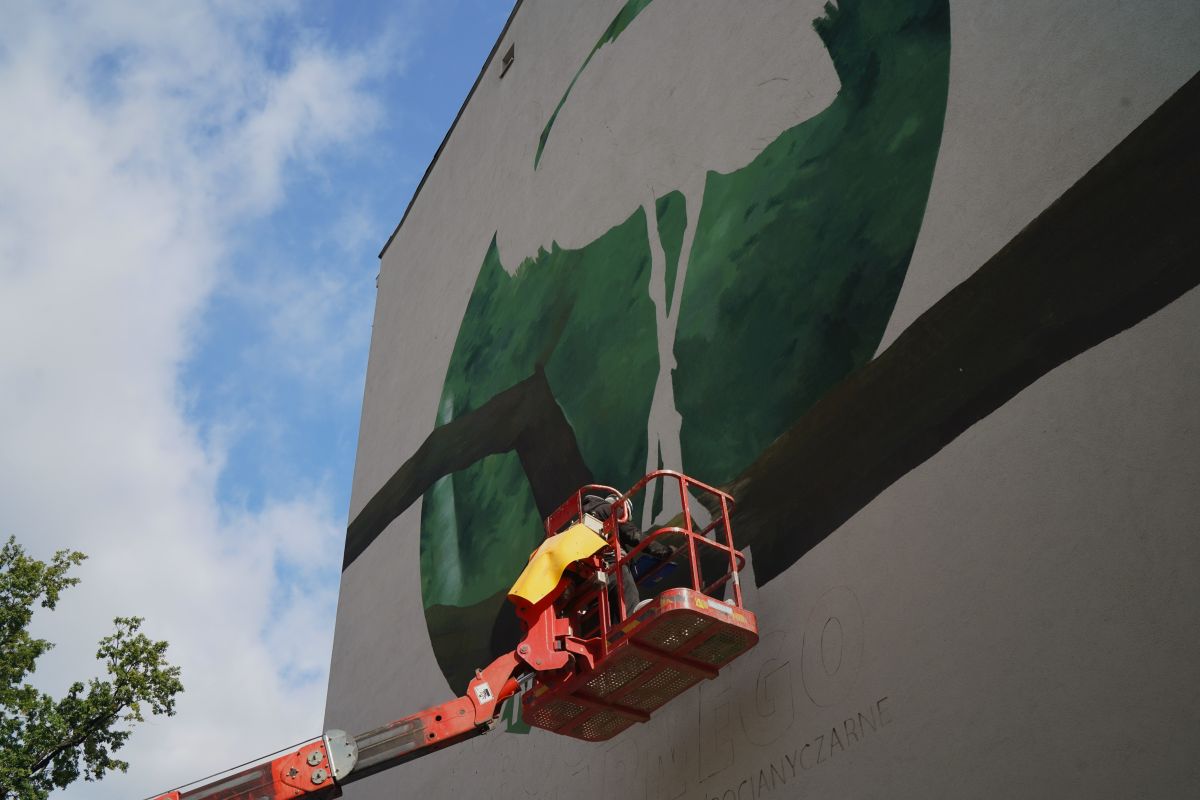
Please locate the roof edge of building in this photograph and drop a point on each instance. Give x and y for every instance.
(482, 71)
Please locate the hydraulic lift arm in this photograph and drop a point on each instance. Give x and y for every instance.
(318, 769)
(592, 667)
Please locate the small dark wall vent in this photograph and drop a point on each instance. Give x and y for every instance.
(507, 61)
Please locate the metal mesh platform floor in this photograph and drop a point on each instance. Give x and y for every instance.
(666, 648)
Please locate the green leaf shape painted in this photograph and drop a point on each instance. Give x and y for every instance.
(797, 262)
(800, 255)
(585, 316)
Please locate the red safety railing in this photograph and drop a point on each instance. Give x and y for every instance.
(591, 611)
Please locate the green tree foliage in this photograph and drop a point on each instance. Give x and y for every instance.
(48, 743)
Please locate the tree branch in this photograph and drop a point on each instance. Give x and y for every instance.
(89, 727)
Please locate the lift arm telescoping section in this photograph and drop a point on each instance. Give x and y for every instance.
(318, 769)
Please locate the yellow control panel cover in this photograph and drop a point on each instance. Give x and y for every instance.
(547, 564)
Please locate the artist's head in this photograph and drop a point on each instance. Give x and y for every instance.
(624, 509)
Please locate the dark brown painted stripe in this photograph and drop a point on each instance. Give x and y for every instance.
(1118, 246)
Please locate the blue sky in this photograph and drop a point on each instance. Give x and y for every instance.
(298, 419)
(192, 199)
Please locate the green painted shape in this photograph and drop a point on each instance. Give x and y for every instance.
(511, 718)
(799, 256)
(586, 316)
(656, 500)
(796, 264)
(624, 17)
(671, 210)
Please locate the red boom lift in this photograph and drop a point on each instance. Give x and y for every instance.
(587, 667)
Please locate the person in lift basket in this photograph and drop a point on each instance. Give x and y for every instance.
(630, 536)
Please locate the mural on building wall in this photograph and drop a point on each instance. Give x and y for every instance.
(766, 284)
(751, 305)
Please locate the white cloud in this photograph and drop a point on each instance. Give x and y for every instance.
(136, 139)
(313, 321)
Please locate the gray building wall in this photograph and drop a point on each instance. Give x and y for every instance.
(1008, 605)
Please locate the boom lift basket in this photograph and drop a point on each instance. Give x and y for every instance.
(642, 658)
